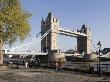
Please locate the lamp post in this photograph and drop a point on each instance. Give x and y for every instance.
(99, 70)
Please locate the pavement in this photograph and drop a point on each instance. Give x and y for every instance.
(46, 75)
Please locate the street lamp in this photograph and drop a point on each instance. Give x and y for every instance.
(99, 47)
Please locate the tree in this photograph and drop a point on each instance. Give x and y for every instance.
(14, 23)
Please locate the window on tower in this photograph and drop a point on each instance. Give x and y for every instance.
(56, 20)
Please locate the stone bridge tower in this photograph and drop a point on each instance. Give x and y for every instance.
(49, 43)
(84, 43)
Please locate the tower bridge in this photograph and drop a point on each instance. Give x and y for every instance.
(50, 29)
(49, 43)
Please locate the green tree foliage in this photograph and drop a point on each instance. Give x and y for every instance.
(14, 23)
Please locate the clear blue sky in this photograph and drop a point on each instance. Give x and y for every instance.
(73, 14)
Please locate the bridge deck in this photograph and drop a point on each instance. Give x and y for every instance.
(24, 53)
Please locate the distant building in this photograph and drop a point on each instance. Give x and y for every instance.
(71, 51)
(106, 50)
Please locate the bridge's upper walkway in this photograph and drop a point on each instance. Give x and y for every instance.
(73, 33)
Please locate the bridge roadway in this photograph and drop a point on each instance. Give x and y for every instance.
(24, 53)
(39, 53)
(73, 33)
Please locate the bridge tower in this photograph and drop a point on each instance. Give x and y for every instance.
(49, 43)
(84, 43)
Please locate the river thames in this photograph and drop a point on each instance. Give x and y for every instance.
(105, 65)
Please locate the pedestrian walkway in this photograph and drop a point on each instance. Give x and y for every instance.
(45, 75)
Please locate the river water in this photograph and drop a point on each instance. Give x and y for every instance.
(105, 66)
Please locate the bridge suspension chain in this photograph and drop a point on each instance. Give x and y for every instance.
(23, 44)
(34, 41)
(38, 40)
